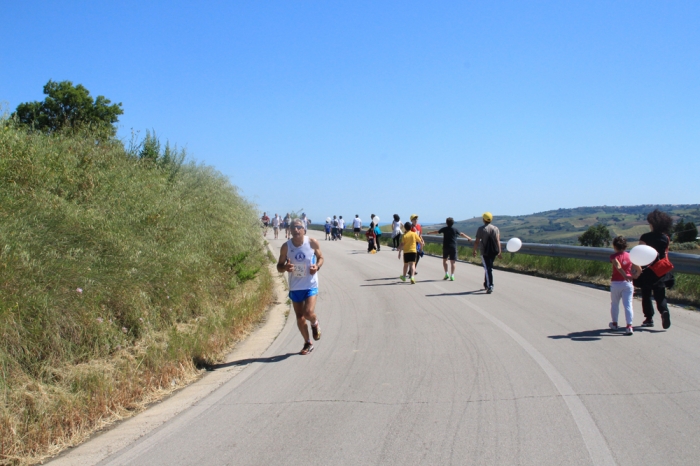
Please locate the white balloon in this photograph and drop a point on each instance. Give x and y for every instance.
(514, 245)
(376, 220)
(642, 255)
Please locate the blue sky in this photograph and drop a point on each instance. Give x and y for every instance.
(438, 108)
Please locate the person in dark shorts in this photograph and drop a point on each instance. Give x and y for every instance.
(651, 284)
(417, 228)
(357, 226)
(449, 246)
(409, 242)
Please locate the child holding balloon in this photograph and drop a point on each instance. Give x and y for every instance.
(621, 287)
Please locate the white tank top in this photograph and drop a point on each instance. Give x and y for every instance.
(302, 258)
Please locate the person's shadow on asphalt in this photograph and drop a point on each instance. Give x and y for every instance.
(594, 335)
(245, 362)
(461, 293)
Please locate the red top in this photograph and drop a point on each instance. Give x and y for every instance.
(625, 263)
(370, 234)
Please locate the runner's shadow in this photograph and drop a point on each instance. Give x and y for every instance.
(593, 335)
(589, 335)
(375, 279)
(245, 362)
(457, 294)
(386, 284)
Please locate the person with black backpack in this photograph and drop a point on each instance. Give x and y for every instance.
(488, 239)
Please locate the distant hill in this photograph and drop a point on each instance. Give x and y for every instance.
(564, 226)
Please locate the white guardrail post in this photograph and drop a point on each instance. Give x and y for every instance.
(683, 263)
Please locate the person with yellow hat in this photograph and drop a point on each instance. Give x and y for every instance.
(488, 240)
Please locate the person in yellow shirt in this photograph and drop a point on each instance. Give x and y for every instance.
(408, 246)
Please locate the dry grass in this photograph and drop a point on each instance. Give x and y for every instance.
(118, 278)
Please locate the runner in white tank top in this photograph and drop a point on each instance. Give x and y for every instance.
(301, 257)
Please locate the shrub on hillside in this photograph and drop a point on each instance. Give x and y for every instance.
(596, 236)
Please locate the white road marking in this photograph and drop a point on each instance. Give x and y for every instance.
(595, 443)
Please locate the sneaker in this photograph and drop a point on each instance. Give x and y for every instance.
(629, 330)
(403, 278)
(490, 290)
(485, 287)
(452, 278)
(308, 347)
(316, 332)
(413, 281)
(648, 323)
(447, 277)
(613, 326)
(665, 319)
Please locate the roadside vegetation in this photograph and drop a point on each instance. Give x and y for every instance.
(122, 270)
(686, 289)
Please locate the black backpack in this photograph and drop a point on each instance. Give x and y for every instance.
(490, 247)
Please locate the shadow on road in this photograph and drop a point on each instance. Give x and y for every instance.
(375, 279)
(245, 362)
(593, 335)
(462, 293)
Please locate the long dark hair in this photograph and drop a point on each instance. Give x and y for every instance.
(397, 218)
(660, 221)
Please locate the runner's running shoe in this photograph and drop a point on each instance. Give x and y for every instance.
(613, 326)
(413, 281)
(490, 290)
(452, 278)
(648, 323)
(308, 347)
(629, 330)
(447, 276)
(316, 332)
(403, 278)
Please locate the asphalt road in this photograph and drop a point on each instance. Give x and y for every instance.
(441, 373)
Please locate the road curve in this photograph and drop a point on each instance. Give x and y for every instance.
(440, 373)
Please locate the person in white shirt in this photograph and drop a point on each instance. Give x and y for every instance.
(301, 257)
(276, 220)
(341, 227)
(357, 226)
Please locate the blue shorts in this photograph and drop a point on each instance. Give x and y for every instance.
(298, 296)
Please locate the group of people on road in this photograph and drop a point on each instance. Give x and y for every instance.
(278, 223)
(302, 258)
(334, 228)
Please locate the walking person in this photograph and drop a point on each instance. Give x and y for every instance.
(371, 239)
(396, 232)
(449, 246)
(276, 221)
(286, 222)
(651, 281)
(621, 285)
(409, 246)
(378, 235)
(327, 228)
(334, 228)
(417, 228)
(357, 226)
(341, 227)
(301, 257)
(488, 239)
(266, 222)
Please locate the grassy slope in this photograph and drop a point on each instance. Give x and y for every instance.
(117, 276)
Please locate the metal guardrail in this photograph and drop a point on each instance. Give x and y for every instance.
(683, 263)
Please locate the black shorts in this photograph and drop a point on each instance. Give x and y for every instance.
(409, 257)
(356, 230)
(265, 223)
(449, 253)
